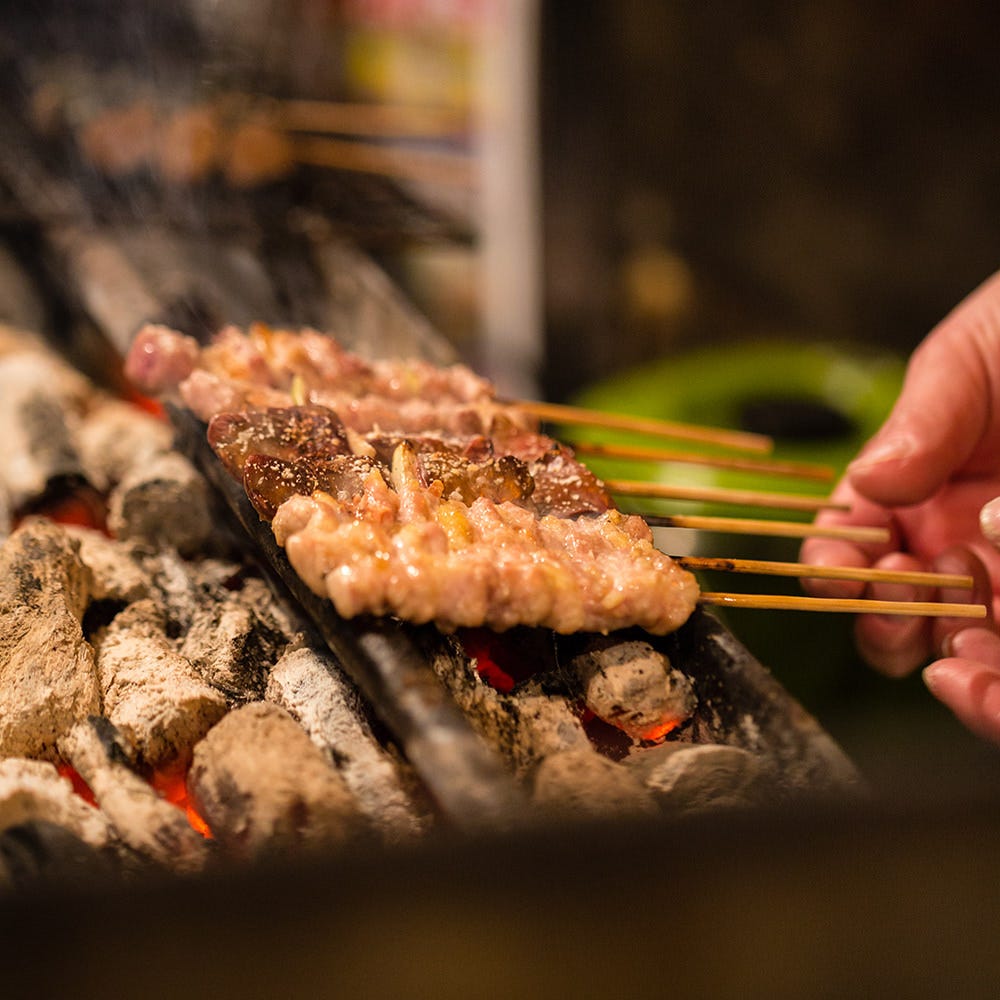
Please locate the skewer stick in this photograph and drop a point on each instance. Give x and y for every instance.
(775, 529)
(799, 470)
(802, 571)
(560, 413)
(451, 170)
(782, 602)
(387, 121)
(718, 494)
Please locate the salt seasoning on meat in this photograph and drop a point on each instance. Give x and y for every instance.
(405, 489)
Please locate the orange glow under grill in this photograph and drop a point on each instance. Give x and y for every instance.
(173, 788)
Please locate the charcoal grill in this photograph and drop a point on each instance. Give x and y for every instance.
(774, 882)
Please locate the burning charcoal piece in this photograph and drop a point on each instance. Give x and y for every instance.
(232, 646)
(580, 782)
(166, 502)
(525, 727)
(146, 823)
(38, 396)
(264, 787)
(150, 692)
(690, 778)
(308, 684)
(48, 678)
(33, 790)
(632, 686)
(115, 439)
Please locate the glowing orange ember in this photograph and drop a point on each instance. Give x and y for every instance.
(172, 786)
(660, 732)
(79, 785)
(500, 662)
(82, 508)
(151, 406)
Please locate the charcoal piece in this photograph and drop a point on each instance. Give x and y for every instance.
(525, 727)
(146, 823)
(232, 646)
(689, 778)
(308, 684)
(150, 691)
(115, 439)
(579, 782)
(631, 685)
(39, 397)
(116, 575)
(33, 790)
(264, 787)
(43, 854)
(185, 586)
(48, 679)
(164, 503)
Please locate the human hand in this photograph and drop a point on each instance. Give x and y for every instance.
(926, 475)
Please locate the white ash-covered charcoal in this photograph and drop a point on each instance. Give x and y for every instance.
(163, 502)
(116, 574)
(40, 398)
(152, 693)
(153, 828)
(308, 684)
(525, 727)
(232, 645)
(193, 592)
(116, 438)
(580, 782)
(48, 679)
(185, 585)
(632, 686)
(33, 790)
(264, 787)
(690, 778)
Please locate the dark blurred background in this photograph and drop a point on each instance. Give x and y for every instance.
(717, 171)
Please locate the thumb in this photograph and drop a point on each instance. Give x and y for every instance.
(945, 415)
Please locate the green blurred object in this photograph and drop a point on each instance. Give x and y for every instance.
(820, 402)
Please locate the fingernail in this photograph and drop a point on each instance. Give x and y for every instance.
(989, 521)
(892, 449)
(931, 676)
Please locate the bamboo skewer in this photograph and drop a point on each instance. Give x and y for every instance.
(775, 529)
(861, 574)
(385, 121)
(452, 170)
(718, 494)
(782, 602)
(560, 413)
(799, 470)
